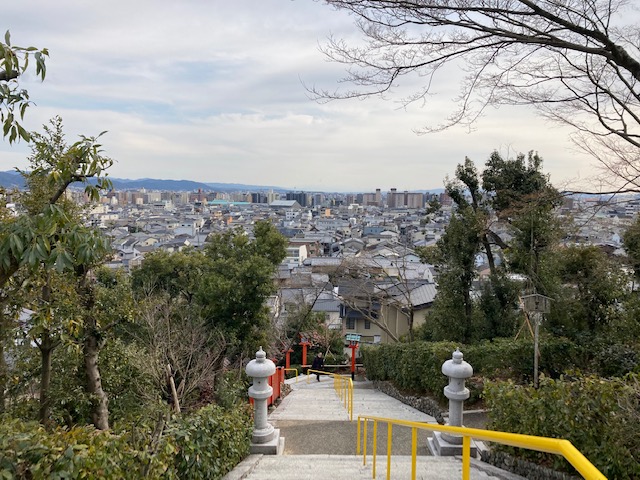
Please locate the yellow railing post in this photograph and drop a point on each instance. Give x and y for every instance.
(375, 445)
(364, 443)
(466, 457)
(389, 436)
(292, 370)
(541, 444)
(414, 451)
(343, 387)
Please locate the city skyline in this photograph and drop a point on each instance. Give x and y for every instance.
(216, 93)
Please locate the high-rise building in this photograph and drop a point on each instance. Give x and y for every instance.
(393, 199)
(414, 200)
(300, 197)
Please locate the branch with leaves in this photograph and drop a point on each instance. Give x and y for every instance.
(14, 62)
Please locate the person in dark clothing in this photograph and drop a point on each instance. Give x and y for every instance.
(318, 364)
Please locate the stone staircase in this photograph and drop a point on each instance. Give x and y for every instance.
(320, 441)
(350, 467)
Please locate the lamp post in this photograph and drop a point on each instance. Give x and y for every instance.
(536, 305)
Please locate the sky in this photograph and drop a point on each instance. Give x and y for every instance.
(214, 91)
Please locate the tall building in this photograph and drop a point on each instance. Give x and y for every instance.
(300, 197)
(414, 200)
(394, 200)
(445, 199)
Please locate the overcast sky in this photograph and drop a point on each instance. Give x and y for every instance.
(213, 91)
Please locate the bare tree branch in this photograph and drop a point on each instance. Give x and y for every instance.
(576, 61)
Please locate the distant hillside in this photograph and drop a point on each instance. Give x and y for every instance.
(241, 186)
(12, 179)
(156, 184)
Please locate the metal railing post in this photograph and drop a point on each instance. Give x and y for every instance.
(531, 442)
(466, 457)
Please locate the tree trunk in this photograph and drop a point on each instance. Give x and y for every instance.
(487, 248)
(410, 324)
(100, 407)
(3, 370)
(468, 311)
(46, 347)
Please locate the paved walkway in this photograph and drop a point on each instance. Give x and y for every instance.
(320, 441)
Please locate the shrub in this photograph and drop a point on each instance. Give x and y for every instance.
(28, 451)
(211, 442)
(206, 444)
(589, 411)
(417, 366)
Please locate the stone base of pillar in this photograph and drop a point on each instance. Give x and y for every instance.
(272, 446)
(439, 447)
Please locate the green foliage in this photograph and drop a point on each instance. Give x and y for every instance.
(206, 444)
(631, 240)
(590, 412)
(499, 306)
(14, 61)
(28, 451)
(230, 282)
(458, 249)
(231, 388)
(417, 366)
(211, 442)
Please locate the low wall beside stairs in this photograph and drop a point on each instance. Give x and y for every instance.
(424, 404)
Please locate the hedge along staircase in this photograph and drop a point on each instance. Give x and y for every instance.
(320, 441)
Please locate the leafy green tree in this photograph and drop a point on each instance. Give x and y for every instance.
(522, 197)
(467, 186)
(594, 290)
(50, 235)
(452, 314)
(229, 281)
(238, 281)
(631, 240)
(175, 274)
(14, 61)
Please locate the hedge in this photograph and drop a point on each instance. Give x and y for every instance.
(417, 367)
(600, 417)
(206, 444)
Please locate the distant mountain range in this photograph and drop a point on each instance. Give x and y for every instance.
(12, 179)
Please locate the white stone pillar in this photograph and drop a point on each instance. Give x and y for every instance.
(266, 439)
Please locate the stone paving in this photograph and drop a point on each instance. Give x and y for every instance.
(320, 439)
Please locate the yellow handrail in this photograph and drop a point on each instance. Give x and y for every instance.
(541, 444)
(292, 370)
(343, 385)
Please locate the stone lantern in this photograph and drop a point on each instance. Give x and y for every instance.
(266, 439)
(446, 444)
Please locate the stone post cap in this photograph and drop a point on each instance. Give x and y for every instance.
(260, 367)
(457, 367)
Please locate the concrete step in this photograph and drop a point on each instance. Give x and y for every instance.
(348, 467)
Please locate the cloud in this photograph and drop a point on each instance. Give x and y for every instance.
(213, 91)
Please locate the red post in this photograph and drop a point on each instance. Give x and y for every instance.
(287, 361)
(304, 344)
(353, 346)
